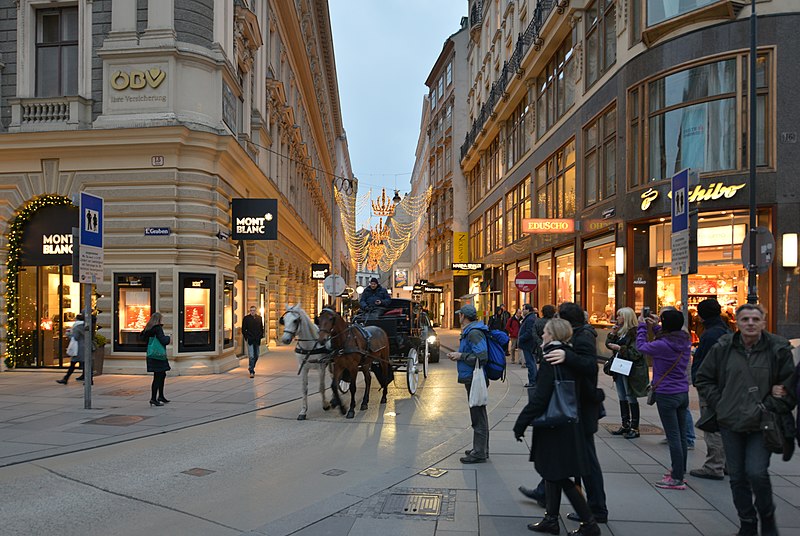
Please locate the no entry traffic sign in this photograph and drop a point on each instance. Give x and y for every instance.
(526, 281)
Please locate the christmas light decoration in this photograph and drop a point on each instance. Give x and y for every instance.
(383, 206)
(380, 232)
(21, 218)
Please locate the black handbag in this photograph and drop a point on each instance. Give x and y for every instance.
(563, 406)
(607, 365)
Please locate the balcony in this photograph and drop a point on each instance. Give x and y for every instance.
(50, 113)
(512, 67)
(476, 16)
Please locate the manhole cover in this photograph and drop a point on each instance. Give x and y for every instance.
(197, 471)
(412, 504)
(334, 472)
(433, 471)
(118, 420)
(122, 392)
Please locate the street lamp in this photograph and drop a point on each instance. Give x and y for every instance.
(396, 199)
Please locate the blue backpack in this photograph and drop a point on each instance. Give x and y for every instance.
(496, 345)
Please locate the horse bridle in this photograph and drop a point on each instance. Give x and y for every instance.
(292, 333)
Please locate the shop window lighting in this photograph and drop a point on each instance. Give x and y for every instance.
(619, 260)
(790, 250)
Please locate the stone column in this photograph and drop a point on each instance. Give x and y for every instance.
(160, 23)
(123, 23)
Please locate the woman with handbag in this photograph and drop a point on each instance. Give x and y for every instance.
(75, 348)
(558, 451)
(622, 341)
(670, 347)
(157, 362)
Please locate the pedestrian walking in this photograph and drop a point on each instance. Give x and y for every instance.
(711, 330)
(744, 373)
(472, 349)
(670, 348)
(75, 351)
(622, 341)
(559, 453)
(157, 361)
(530, 343)
(512, 328)
(253, 332)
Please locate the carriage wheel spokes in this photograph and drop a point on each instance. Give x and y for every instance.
(426, 355)
(412, 371)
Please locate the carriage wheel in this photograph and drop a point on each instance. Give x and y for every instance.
(426, 355)
(412, 372)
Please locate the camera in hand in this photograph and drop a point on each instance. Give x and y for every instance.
(645, 312)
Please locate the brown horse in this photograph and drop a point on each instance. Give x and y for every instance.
(352, 352)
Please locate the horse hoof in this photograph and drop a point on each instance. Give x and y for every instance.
(301, 417)
(342, 410)
(364, 407)
(351, 414)
(326, 407)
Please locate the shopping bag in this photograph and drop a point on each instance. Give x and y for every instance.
(621, 366)
(156, 350)
(72, 348)
(478, 392)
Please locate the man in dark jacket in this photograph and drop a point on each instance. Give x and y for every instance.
(253, 332)
(548, 312)
(499, 319)
(583, 364)
(743, 372)
(374, 299)
(530, 343)
(713, 328)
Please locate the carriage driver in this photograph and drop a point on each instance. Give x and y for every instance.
(374, 299)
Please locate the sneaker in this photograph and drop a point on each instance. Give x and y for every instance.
(690, 446)
(669, 483)
(252, 375)
(669, 476)
(472, 459)
(705, 473)
(633, 433)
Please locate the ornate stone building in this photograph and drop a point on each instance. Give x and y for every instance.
(169, 110)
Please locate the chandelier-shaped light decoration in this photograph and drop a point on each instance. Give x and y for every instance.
(383, 206)
(380, 232)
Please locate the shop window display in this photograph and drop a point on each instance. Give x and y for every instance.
(544, 269)
(565, 277)
(600, 284)
(227, 313)
(196, 313)
(134, 302)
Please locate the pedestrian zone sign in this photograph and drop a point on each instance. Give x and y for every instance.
(680, 222)
(91, 239)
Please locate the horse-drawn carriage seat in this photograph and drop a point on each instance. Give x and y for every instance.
(393, 312)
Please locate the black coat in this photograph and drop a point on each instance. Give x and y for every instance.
(713, 329)
(157, 365)
(558, 452)
(253, 329)
(528, 340)
(583, 364)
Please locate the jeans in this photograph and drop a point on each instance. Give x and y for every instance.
(252, 353)
(530, 363)
(623, 390)
(748, 466)
(672, 411)
(691, 436)
(480, 428)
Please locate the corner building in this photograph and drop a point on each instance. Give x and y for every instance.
(578, 122)
(169, 110)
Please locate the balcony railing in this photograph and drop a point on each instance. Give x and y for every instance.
(50, 113)
(510, 68)
(476, 14)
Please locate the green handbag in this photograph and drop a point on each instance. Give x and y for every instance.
(156, 350)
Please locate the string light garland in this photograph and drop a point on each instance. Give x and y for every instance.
(22, 217)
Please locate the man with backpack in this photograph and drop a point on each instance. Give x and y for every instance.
(473, 347)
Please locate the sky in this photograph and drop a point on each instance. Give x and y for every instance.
(384, 51)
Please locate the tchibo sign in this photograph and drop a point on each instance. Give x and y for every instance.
(254, 219)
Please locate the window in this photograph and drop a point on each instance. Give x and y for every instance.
(227, 313)
(601, 280)
(691, 119)
(196, 312)
(565, 276)
(555, 184)
(476, 240)
(544, 271)
(518, 206)
(57, 52)
(476, 186)
(516, 138)
(601, 38)
(494, 227)
(661, 10)
(492, 166)
(441, 88)
(134, 300)
(555, 88)
(449, 73)
(600, 156)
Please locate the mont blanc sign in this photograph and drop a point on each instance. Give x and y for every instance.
(254, 219)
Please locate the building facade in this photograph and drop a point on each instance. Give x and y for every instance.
(169, 110)
(581, 112)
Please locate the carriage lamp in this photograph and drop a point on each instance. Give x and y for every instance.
(790, 250)
(431, 339)
(359, 289)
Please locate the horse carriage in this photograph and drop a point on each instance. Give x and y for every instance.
(411, 339)
(401, 339)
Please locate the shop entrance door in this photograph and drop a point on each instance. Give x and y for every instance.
(48, 303)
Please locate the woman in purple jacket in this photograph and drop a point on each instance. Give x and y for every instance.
(670, 347)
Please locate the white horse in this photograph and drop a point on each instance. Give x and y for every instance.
(297, 324)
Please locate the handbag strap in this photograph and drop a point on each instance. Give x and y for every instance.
(666, 373)
(753, 389)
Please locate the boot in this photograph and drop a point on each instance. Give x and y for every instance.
(549, 525)
(625, 412)
(587, 529)
(633, 433)
(749, 527)
(768, 526)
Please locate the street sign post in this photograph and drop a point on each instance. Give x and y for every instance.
(680, 222)
(765, 249)
(91, 271)
(526, 281)
(334, 285)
